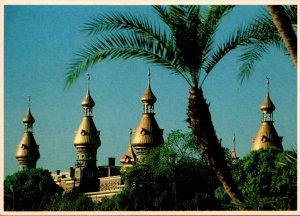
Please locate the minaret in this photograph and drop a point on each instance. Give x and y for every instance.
(148, 134)
(27, 152)
(129, 158)
(233, 156)
(267, 135)
(87, 138)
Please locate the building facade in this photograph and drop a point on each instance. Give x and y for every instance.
(100, 180)
(105, 181)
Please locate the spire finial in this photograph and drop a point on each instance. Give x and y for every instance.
(88, 80)
(234, 158)
(88, 102)
(233, 141)
(149, 74)
(130, 135)
(28, 118)
(28, 102)
(268, 83)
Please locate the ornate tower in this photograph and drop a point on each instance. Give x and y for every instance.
(148, 134)
(267, 135)
(233, 156)
(129, 158)
(27, 152)
(87, 138)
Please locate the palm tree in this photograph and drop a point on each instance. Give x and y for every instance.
(285, 29)
(265, 34)
(183, 43)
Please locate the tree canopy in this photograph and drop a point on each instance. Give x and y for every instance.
(267, 180)
(171, 177)
(30, 190)
(72, 201)
(35, 190)
(183, 42)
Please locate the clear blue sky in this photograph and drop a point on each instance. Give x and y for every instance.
(40, 42)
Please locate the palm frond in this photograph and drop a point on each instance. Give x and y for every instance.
(214, 15)
(253, 52)
(239, 37)
(115, 21)
(183, 22)
(211, 20)
(256, 37)
(123, 46)
(180, 45)
(291, 12)
(128, 34)
(263, 36)
(163, 13)
(179, 14)
(250, 55)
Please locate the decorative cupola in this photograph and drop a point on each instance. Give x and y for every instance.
(148, 99)
(87, 137)
(88, 102)
(129, 158)
(148, 134)
(233, 156)
(267, 135)
(267, 107)
(27, 152)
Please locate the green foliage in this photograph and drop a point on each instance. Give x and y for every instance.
(267, 180)
(72, 201)
(151, 183)
(35, 190)
(168, 178)
(264, 35)
(171, 177)
(183, 41)
(30, 190)
(183, 146)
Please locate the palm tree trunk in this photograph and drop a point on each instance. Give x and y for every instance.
(201, 124)
(285, 29)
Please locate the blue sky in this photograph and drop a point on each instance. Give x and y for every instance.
(39, 43)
